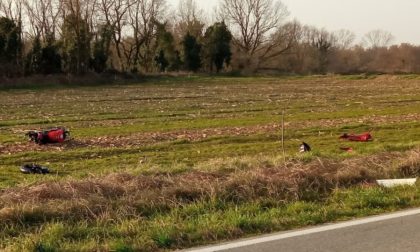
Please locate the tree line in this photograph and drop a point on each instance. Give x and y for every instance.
(146, 36)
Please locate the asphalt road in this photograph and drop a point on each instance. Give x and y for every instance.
(394, 232)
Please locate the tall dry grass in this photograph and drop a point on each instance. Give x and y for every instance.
(124, 194)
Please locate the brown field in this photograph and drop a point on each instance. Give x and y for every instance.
(180, 162)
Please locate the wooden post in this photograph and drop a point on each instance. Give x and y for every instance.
(282, 136)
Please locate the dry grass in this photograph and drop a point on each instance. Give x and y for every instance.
(411, 165)
(109, 197)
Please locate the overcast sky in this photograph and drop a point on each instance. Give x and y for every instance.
(400, 17)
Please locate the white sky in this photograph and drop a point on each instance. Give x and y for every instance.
(400, 17)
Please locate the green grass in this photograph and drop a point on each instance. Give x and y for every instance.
(203, 222)
(210, 124)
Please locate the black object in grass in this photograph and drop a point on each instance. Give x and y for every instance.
(304, 148)
(34, 169)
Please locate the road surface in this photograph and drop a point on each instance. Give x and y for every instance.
(399, 232)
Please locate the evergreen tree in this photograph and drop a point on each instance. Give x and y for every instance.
(101, 49)
(43, 59)
(76, 40)
(166, 48)
(10, 47)
(34, 57)
(51, 58)
(161, 61)
(217, 46)
(177, 62)
(192, 51)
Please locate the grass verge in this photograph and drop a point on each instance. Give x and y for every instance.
(128, 212)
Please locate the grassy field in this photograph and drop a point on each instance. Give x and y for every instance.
(175, 163)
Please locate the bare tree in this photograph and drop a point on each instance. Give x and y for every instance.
(377, 38)
(79, 18)
(11, 9)
(323, 42)
(85, 9)
(253, 23)
(189, 11)
(189, 19)
(343, 57)
(115, 14)
(318, 44)
(142, 17)
(43, 17)
(344, 39)
(281, 41)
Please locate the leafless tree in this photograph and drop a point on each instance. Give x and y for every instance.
(189, 11)
(11, 9)
(85, 9)
(142, 15)
(43, 17)
(320, 43)
(79, 17)
(281, 41)
(253, 23)
(344, 39)
(343, 57)
(190, 19)
(115, 15)
(377, 38)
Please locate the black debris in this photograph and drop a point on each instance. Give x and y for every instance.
(34, 169)
(304, 148)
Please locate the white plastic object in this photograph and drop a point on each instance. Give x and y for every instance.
(396, 182)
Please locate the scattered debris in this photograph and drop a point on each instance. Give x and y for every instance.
(54, 135)
(365, 137)
(304, 147)
(396, 182)
(34, 169)
(348, 149)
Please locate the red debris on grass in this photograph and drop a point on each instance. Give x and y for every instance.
(348, 149)
(365, 137)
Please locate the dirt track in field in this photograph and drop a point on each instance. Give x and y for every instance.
(143, 139)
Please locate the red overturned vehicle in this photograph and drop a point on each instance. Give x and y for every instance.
(49, 136)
